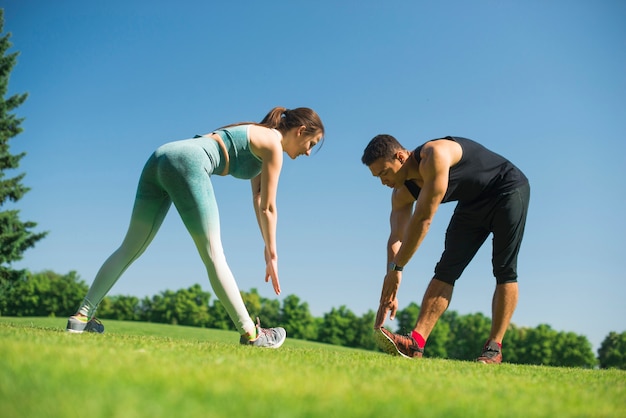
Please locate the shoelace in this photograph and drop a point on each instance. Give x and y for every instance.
(262, 331)
(489, 352)
(94, 324)
(88, 320)
(412, 344)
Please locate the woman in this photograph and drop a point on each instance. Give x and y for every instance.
(180, 172)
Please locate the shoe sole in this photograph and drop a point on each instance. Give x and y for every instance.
(488, 362)
(78, 327)
(77, 324)
(272, 347)
(279, 344)
(387, 345)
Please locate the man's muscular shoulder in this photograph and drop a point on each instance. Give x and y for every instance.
(440, 151)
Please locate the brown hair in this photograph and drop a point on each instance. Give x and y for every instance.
(381, 146)
(283, 119)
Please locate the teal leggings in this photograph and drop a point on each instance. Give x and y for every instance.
(178, 172)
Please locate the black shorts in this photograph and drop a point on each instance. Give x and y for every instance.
(504, 216)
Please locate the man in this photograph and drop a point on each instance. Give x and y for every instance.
(492, 196)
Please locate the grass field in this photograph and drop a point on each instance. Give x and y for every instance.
(154, 370)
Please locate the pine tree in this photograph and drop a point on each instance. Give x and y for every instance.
(15, 236)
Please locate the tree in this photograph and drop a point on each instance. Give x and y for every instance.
(43, 294)
(218, 317)
(572, 350)
(253, 302)
(544, 346)
(338, 328)
(15, 236)
(407, 318)
(297, 319)
(183, 307)
(514, 345)
(267, 310)
(122, 308)
(538, 345)
(364, 327)
(612, 351)
(468, 334)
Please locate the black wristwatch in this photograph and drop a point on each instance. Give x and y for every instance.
(394, 266)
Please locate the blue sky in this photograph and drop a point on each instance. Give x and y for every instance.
(542, 83)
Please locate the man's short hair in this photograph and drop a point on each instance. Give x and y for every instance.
(381, 146)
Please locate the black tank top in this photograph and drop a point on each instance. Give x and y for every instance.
(480, 173)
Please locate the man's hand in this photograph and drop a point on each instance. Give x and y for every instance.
(388, 298)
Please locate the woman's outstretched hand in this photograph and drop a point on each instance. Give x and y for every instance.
(271, 272)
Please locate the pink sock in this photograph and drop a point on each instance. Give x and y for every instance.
(421, 342)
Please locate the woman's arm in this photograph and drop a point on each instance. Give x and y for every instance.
(264, 189)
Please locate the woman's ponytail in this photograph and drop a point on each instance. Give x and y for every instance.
(284, 119)
(273, 119)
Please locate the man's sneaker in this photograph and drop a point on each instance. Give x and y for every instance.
(266, 337)
(492, 353)
(397, 345)
(78, 324)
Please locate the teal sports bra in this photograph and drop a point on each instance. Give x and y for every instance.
(243, 163)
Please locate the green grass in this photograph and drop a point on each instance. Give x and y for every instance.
(154, 370)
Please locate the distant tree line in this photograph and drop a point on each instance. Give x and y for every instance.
(455, 336)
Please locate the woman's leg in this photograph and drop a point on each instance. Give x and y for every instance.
(186, 178)
(151, 206)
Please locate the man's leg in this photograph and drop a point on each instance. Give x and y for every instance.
(508, 230)
(508, 225)
(464, 237)
(502, 308)
(435, 302)
(503, 305)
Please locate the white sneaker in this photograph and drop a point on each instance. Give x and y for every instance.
(266, 337)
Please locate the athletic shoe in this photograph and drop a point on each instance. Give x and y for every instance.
(492, 353)
(266, 337)
(397, 345)
(78, 324)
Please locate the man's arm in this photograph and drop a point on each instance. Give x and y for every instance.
(401, 211)
(434, 170)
